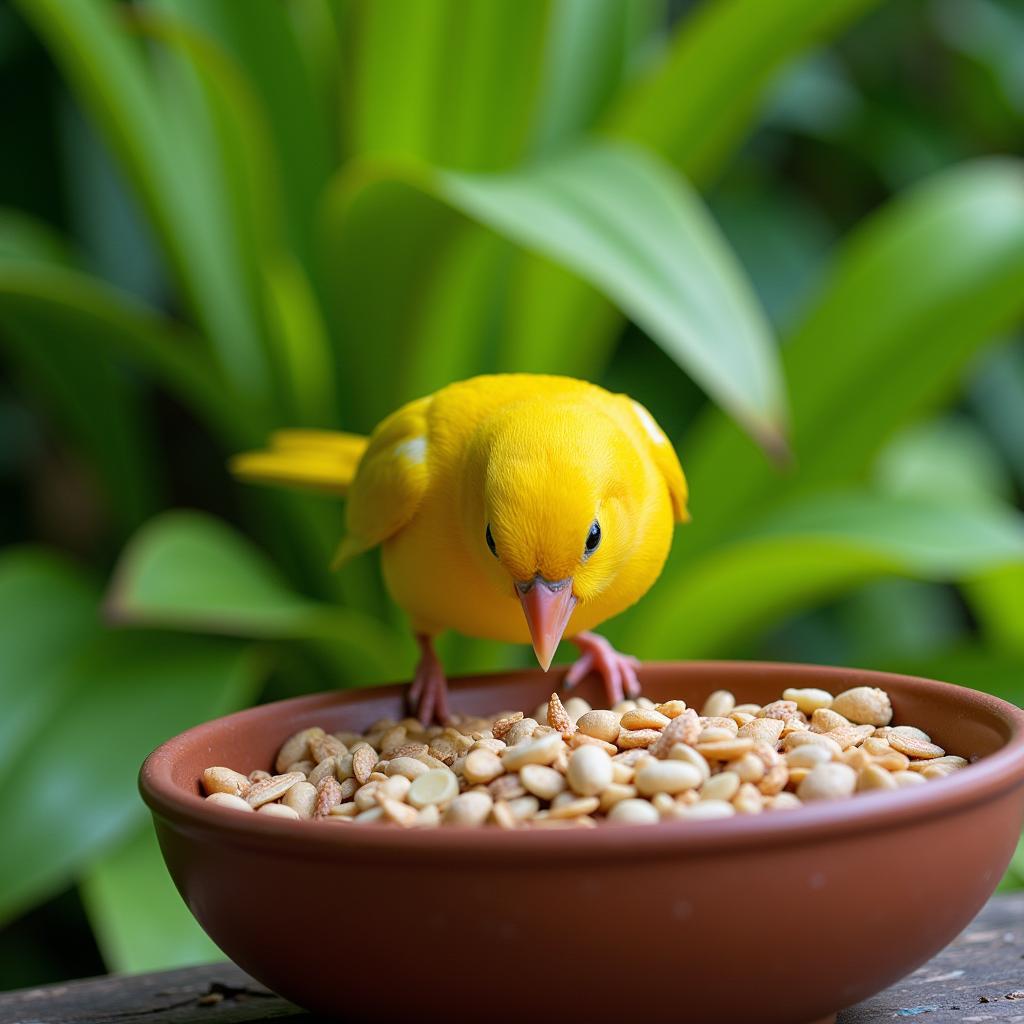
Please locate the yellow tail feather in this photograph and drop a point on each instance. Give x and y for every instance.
(310, 460)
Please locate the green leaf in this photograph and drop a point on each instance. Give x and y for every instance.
(914, 293)
(75, 796)
(41, 305)
(590, 47)
(622, 221)
(34, 647)
(467, 86)
(813, 549)
(187, 571)
(619, 219)
(137, 915)
(695, 104)
(108, 73)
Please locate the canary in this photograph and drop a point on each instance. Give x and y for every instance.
(512, 507)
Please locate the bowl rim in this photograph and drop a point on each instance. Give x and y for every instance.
(986, 779)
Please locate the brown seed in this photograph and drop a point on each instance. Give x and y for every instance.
(781, 709)
(685, 728)
(502, 725)
(325, 746)
(273, 788)
(767, 730)
(558, 719)
(363, 761)
(328, 795)
(913, 747)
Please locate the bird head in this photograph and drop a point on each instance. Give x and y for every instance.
(551, 503)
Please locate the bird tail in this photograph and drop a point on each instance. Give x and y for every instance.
(310, 460)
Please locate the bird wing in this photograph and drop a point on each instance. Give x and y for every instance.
(665, 459)
(389, 482)
(313, 460)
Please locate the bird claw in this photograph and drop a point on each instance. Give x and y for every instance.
(617, 671)
(428, 694)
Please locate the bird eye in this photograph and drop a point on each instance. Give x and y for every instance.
(490, 541)
(593, 539)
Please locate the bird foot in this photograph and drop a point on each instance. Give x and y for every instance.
(428, 695)
(617, 671)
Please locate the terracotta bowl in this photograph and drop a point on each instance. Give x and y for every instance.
(784, 917)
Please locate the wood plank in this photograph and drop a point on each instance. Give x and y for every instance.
(977, 980)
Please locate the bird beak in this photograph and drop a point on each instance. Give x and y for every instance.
(547, 607)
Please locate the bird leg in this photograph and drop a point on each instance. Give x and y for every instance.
(428, 695)
(617, 671)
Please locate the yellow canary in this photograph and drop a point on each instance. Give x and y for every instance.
(512, 507)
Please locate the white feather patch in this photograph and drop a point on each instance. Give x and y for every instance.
(647, 422)
(415, 449)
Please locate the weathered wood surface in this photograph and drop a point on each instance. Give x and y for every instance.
(979, 978)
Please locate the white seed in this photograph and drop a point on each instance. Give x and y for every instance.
(684, 752)
(705, 810)
(301, 798)
(589, 771)
(634, 812)
(828, 782)
(296, 747)
(654, 776)
(482, 766)
(576, 708)
(864, 705)
(808, 700)
(718, 704)
(412, 768)
(523, 807)
(469, 809)
(902, 779)
(537, 751)
(722, 786)
(230, 800)
(278, 811)
(436, 786)
(808, 756)
(542, 781)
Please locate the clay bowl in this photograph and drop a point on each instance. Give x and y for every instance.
(784, 917)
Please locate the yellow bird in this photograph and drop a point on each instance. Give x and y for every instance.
(511, 507)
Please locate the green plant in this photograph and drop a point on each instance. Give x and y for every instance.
(356, 202)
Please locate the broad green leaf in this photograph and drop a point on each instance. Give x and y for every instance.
(137, 915)
(912, 296)
(947, 458)
(622, 221)
(40, 304)
(694, 105)
(261, 38)
(619, 219)
(815, 548)
(25, 239)
(589, 49)
(108, 73)
(446, 81)
(997, 600)
(187, 571)
(75, 796)
(47, 611)
(997, 400)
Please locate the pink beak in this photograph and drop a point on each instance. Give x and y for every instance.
(547, 607)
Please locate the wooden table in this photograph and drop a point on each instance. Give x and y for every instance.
(979, 978)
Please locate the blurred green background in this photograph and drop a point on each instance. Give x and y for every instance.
(792, 219)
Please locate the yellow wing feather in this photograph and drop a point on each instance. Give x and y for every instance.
(665, 459)
(313, 460)
(390, 481)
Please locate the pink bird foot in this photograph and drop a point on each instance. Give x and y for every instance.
(617, 671)
(428, 695)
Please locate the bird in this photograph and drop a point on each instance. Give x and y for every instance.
(515, 507)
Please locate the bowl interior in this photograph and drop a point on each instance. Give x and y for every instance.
(965, 722)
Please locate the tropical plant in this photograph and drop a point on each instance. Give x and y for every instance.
(353, 202)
